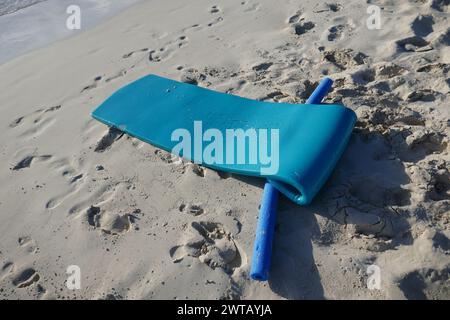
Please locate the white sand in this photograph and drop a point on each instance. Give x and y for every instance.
(145, 228)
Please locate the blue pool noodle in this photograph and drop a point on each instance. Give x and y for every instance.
(262, 248)
(320, 92)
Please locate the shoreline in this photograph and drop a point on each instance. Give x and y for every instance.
(44, 23)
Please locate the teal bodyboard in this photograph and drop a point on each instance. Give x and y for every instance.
(311, 137)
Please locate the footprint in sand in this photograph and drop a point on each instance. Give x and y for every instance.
(26, 278)
(389, 70)
(413, 44)
(436, 69)
(298, 24)
(34, 117)
(117, 75)
(214, 10)
(169, 49)
(212, 244)
(58, 200)
(109, 223)
(99, 79)
(440, 5)
(103, 194)
(338, 32)
(38, 128)
(215, 22)
(38, 122)
(345, 58)
(328, 7)
(6, 270)
(93, 85)
(425, 95)
(28, 244)
(110, 213)
(74, 179)
(303, 27)
(417, 142)
(439, 187)
(363, 76)
(261, 67)
(16, 122)
(28, 160)
(176, 163)
(129, 54)
(424, 141)
(195, 27)
(192, 76)
(426, 284)
(192, 209)
(24, 163)
(294, 18)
